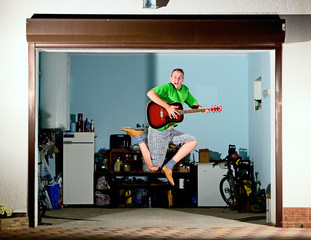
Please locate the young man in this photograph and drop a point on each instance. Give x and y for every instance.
(159, 139)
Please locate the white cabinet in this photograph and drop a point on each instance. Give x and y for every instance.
(208, 185)
(78, 168)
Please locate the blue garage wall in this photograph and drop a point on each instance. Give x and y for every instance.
(213, 80)
(260, 121)
(111, 89)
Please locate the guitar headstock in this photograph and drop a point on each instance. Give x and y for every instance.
(216, 108)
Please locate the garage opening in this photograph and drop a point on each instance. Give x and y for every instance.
(143, 32)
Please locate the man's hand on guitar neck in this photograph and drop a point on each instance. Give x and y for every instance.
(207, 110)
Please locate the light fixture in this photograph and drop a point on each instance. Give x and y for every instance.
(149, 3)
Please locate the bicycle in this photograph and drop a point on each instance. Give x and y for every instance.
(232, 188)
(237, 186)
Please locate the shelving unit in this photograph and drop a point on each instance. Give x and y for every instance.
(125, 186)
(133, 159)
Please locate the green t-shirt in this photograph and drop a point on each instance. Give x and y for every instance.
(168, 93)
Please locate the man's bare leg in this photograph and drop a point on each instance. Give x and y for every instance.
(185, 149)
(143, 148)
(147, 157)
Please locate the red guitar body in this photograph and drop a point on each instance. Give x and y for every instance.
(157, 116)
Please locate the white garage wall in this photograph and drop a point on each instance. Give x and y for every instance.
(296, 124)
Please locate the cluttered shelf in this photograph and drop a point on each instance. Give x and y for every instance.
(125, 176)
(140, 185)
(125, 161)
(123, 180)
(145, 179)
(152, 174)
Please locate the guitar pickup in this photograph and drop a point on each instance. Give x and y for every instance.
(161, 114)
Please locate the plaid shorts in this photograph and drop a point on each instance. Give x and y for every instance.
(158, 142)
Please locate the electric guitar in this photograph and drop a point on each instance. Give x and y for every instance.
(157, 116)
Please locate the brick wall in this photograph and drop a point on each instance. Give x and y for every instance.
(14, 223)
(294, 217)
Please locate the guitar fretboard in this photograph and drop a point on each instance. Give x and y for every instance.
(212, 109)
(191, 111)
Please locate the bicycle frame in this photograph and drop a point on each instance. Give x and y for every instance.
(236, 189)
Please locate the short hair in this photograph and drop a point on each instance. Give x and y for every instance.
(178, 69)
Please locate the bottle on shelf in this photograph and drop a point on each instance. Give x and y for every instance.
(117, 165)
(92, 126)
(87, 125)
(139, 197)
(80, 122)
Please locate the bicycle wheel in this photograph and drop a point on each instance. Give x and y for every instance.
(227, 192)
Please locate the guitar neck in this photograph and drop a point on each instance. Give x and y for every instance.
(212, 109)
(191, 111)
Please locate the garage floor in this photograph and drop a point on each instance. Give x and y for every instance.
(152, 217)
(154, 223)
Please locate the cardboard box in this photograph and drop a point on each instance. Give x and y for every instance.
(204, 155)
(183, 168)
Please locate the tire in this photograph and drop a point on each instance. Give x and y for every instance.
(227, 192)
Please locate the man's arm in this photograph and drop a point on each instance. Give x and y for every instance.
(156, 99)
(171, 110)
